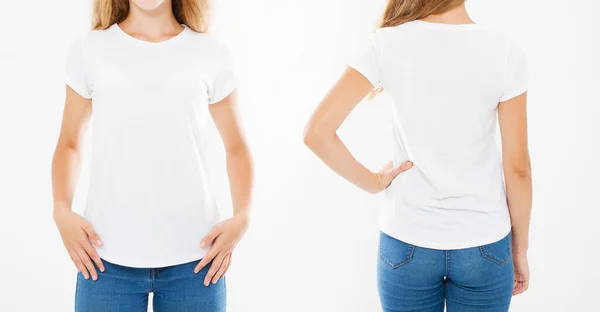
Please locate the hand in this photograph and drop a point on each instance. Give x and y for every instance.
(387, 174)
(76, 233)
(521, 266)
(223, 237)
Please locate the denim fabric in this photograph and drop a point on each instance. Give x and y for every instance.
(420, 279)
(124, 289)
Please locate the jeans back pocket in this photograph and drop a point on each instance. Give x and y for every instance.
(393, 252)
(498, 252)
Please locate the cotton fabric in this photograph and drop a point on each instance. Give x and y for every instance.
(150, 196)
(446, 82)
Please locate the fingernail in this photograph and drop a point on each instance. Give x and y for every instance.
(86, 277)
(98, 243)
(202, 245)
(206, 284)
(94, 278)
(409, 164)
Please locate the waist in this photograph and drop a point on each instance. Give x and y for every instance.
(442, 228)
(150, 236)
(475, 190)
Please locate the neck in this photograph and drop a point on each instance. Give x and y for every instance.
(458, 15)
(152, 23)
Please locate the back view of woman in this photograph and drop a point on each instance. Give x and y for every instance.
(455, 217)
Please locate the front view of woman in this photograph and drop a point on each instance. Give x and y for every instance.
(455, 218)
(153, 80)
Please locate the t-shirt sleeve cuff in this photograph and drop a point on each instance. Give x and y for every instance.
(225, 91)
(77, 88)
(370, 77)
(512, 94)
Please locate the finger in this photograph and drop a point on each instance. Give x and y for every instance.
(87, 262)
(517, 292)
(525, 286)
(91, 233)
(78, 264)
(210, 237)
(403, 167)
(519, 289)
(214, 267)
(228, 265)
(207, 259)
(516, 287)
(93, 254)
(221, 270)
(394, 171)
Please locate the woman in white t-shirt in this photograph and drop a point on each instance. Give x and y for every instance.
(153, 80)
(455, 218)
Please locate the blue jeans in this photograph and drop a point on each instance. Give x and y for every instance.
(478, 279)
(124, 289)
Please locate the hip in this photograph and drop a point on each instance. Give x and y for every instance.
(122, 288)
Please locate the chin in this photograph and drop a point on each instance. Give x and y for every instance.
(148, 5)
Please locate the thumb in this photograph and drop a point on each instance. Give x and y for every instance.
(91, 233)
(210, 237)
(402, 168)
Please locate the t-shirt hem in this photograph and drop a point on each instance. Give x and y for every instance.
(77, 88)
(151, 264)
(442, 245)
(513, 94)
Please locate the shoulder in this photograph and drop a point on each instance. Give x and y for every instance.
(497, 35)
(205, 43)
(504, 45)
(92, 39)
(393, 34)
(499, 39)
(386, 32)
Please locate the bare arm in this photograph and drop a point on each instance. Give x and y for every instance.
(321, 137)
(512, 116)
(67, 156)
(225, 235)
(239, 166)
(75, 231)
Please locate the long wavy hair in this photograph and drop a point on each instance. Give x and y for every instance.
(192, 13)
(399, 12)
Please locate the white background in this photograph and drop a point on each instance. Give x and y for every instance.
(312, 245)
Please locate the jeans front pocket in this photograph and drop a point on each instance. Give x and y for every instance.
(498, 252)
(393, 252)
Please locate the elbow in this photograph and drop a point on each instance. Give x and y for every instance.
(521, 171)
(238, 148)
(309, 137)
(312, 136)
(66, 146)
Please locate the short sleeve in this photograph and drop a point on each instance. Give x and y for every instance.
(76, 70)
(225, 80)
(516, 73)
(367, 60)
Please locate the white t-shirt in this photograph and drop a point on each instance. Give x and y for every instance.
(446, 82)
(150, 197)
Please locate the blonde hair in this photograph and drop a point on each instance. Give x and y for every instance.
(398, 12)
(192, 13)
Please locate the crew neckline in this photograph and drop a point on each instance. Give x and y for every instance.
(150, 43)
(446, 25)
